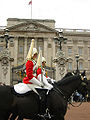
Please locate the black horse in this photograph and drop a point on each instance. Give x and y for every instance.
(30, 106)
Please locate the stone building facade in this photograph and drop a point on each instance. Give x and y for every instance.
(23, 31)
(43, 31)
(78, 42)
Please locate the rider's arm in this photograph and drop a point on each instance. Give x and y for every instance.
(29, 69)
(38, 71)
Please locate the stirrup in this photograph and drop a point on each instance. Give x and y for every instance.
(48, 114)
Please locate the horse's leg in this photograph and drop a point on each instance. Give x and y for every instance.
(7, 115)
(13, 116)
(20, 118)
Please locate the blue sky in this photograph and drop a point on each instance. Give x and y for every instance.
(73, 14)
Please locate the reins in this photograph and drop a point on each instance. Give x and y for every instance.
(75, 105)
(82, 78)
(71, 103)
(57, 90)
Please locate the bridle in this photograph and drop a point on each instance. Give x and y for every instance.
(84, 83)
(60, 92)
(71, 103)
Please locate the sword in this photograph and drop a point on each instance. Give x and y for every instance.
(41, 65)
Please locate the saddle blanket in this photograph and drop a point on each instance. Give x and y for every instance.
(22, 88)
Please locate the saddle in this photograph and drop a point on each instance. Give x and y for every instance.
(22, 88)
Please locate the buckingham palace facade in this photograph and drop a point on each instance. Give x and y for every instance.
(44, 31)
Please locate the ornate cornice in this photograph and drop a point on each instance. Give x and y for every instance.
(31, 26)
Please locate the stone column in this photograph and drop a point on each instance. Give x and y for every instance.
(60, 61)
(5, 66)
(16, 49)
(25, 48)
(53, 46)
(35, 42)
(45, 48)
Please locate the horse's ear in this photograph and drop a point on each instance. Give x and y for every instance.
(83, 73)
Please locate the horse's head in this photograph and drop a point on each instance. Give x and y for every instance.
(83, 86)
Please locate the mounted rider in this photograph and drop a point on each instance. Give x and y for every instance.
(41, 73)
(31, 67)
(50, 80)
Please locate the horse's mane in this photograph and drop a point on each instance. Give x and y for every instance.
(68, 75)
(66, 79)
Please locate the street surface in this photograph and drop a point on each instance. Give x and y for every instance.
(79, 113)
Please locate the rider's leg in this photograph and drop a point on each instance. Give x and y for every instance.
(36, 82)
(45, 82)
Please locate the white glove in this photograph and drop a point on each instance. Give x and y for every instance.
(35, 81)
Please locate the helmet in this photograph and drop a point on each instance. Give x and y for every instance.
(43, 59)
(38, 60)
(34, 52)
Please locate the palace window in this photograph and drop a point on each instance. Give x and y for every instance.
(1, 48)
(69, 51)
(20, 49)
(80, 50)
(70, 65)
(81, 65)
(21, 45)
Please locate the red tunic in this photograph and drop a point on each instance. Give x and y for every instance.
(39, 72)
(29, 72)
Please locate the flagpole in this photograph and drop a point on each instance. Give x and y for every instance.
(30, 3)
(31, 9)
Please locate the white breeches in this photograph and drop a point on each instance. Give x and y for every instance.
(36, 82)
(44, 81)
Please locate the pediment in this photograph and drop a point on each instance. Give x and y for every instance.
(31, 26)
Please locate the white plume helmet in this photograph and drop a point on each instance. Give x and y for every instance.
(38, 60)
(34, 51)
(43, 59)
(30, 50)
